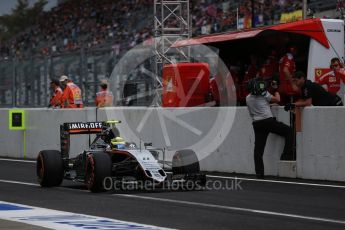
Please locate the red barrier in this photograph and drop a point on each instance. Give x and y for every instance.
(185, 84)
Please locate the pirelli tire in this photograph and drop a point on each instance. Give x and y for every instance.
(49, 168)
(98, 167)
(185, 162)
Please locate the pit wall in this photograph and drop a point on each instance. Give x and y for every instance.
(222, 137)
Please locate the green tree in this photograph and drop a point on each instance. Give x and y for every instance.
(21, 17)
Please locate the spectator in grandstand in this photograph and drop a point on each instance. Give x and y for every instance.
(332, 79)
(104, 98)
(55, 99)
(96, 23)
(71, 97)
(312, 93)
(258, 103)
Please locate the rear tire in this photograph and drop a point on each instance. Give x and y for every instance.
(49, 168)
(98, 167)
(185, 162)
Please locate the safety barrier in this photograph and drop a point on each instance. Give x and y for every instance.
(222, 137)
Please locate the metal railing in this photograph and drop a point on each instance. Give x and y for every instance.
(25, 82)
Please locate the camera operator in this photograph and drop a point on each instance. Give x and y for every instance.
(258, 103)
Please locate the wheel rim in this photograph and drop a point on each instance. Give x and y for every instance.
(40, 168)
(90, 172)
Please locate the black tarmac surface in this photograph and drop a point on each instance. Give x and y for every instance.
(231, 204)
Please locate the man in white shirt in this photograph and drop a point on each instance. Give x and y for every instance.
(258, 103)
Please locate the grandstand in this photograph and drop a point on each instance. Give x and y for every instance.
(85, 39)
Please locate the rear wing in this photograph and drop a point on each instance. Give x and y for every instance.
(83, 127)
(76, 128)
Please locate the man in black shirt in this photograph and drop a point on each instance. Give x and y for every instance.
(313, 93)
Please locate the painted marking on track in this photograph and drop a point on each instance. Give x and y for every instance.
(279, 181)
(54, 219)
(8, 207)
(18, 182)
(319, 219)
(17, 160)
(274, 181)
(228, 177)
(256, 211)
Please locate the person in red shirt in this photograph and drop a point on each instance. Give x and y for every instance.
(333, 78)
(338, 68)
(270, 67)
(71, 97)
(252, 69)
(104, 97)
(287, 69)
(55, 100)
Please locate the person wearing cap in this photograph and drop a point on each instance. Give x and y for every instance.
(312, 93)
(55, 100)
(71, 97)
(104, 98)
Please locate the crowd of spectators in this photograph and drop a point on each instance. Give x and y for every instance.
(121, 25)
(340, 5)
(211, 16)
(75, 24)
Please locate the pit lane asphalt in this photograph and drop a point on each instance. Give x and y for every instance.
(281, 206)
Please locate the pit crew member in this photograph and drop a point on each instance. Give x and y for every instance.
(71, 97)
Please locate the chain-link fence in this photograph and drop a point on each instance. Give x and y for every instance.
(25, 82)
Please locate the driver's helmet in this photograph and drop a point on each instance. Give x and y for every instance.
(118, 143)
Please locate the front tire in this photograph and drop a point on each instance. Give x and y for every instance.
(98, 167)
(185, 162)
(49, 168)
(185, 165)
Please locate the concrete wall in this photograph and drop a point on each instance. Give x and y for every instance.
(225, 150)
(222, 137)
(321, 145)
(42, 131)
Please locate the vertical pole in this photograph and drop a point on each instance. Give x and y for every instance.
(14, 90)
(45, 77)
(162, 37)
(253, 13)
(95, 76)
(237, 18)
(293, 129)
(24, 143)
(304, 9)
(82, 73)
(189, 28)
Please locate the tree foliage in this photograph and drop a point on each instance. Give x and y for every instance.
(21, 17)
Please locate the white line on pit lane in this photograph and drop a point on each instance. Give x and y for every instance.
(19, 182)
(274, 181)
(228, 177)
(37, 185)
(278, 181)
(256, 211)
(211, 206)
(17, 160)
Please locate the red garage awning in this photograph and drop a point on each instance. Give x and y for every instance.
(311, 27)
